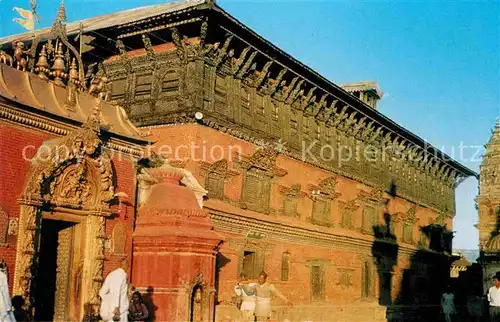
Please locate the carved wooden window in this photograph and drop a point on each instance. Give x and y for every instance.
(245, 98)
(275, 111)
(285, 266)
(215, 185)
(170, 83)
(119, 86)
(220, 89)
(259, 103)
(366, 282)
(321, 211)
(143, 86)
(290, 205)
(346, 218)
(256, 190)
(250, 264)
(369, 218)
(408, 232)
(317, 283)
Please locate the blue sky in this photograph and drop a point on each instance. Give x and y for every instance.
(437, 61)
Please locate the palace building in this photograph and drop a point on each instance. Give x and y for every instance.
(259, 163)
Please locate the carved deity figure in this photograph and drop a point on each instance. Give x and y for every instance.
(19, 55)
(5, 58)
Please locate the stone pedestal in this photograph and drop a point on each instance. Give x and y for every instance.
(174, 251)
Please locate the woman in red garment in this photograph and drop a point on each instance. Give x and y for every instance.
(138, 310)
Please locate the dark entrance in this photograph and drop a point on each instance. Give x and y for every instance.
(45, 283)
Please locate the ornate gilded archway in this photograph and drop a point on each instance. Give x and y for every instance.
(71, 175)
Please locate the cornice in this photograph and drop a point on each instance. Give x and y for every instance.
(48, 125)
(233, 223)
(184, 118)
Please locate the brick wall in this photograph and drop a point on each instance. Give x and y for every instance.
(17, 145)
(199, 144)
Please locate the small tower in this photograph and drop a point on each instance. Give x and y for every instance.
(488, 205)
(368, 92)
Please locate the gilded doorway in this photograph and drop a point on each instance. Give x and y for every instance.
(63, 211)
(59, 270)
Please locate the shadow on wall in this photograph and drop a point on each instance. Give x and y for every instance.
(149, 301)
(425, 279)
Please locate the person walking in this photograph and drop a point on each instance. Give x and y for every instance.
(494, 299)
(448, 304)
(114, 295)
(246, 292)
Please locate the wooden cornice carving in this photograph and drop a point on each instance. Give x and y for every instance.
(293, 191)
(220, 168)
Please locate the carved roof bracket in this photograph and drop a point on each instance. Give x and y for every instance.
(261, 76)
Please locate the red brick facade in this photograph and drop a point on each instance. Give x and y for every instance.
(341, 253)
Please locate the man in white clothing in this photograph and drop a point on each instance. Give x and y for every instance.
(246, 291)
(494, 299)
(5, 304)
(114, 295)
(264, 291)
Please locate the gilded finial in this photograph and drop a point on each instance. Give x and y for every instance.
(73, 72)
(497, 123)
(42, 66)
(59, 68)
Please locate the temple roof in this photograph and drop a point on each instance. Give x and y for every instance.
(44, 96)
(109, 20)
(363, 87)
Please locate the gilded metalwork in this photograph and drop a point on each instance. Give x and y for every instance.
(65, 244)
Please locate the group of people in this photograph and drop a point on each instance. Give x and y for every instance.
(254, 298)
(115, 293)
(474, 303)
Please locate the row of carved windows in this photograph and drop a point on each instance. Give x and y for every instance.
(256, 196)
(253, 264)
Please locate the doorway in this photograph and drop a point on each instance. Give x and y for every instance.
(57, 283)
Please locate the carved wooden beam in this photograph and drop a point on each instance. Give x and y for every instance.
(288, 89)
(294, 93)
(262, 74)
(242, 72)
(275, 83)
(358, 126)
(309, 98)
(203, 33)
(149, 49)
(123, 56)
(240, 60)
(339, 117)
(176, 39)
(223, 52)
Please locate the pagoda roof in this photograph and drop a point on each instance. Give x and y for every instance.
(44, 97)
(363, 87)
(151, 19)
(109, 20)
